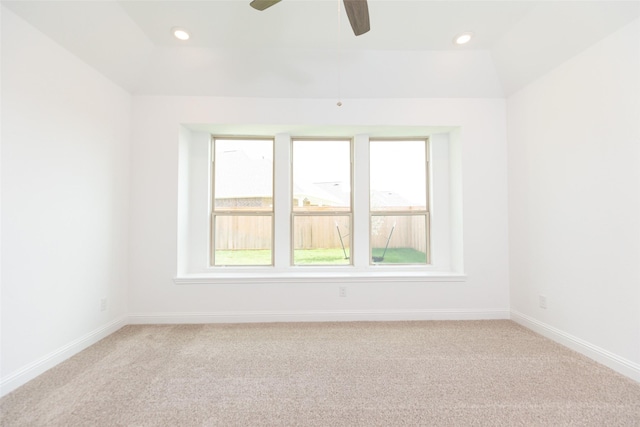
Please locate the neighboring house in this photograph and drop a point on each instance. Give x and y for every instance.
(247, 190)
(317, 194)
(239, 188)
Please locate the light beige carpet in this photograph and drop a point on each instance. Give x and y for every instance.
(443, 373)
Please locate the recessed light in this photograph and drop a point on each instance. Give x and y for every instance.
(180, 33)
(463, 38)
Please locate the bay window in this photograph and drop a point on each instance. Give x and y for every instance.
(284, 207)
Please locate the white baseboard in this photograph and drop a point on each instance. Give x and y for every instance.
(315, 316)
(47, 362)
(600, 355)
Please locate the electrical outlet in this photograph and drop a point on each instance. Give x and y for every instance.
(342, 291)
(103, 304)
(542, 301)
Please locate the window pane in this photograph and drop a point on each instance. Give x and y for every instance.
(398, 171)
(243, 175)
(321, 175)
(242, 239)
(321, 240)
(399, 239)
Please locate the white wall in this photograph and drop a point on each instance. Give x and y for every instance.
(65, 177)
(574, 201)
(154, 224)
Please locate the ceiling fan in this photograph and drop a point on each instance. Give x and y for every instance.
(357, 11)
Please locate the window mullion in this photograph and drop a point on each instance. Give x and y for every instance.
(282, 201)
(360, 237)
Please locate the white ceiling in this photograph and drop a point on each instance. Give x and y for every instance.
(305, 48)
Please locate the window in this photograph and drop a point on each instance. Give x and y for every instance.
(399, 201)
(242, 208)
(312, 205)
(321, 202)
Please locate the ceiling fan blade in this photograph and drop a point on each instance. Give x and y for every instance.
(358, 13)
(263, 4)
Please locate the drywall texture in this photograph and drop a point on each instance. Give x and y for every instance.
(65, 172)
(574, 196)
(154, 223)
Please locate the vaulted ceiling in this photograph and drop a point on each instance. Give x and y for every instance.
(305, 48)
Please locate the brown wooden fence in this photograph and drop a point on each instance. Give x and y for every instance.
(319, 232)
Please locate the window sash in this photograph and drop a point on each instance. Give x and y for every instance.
(383, 227)
(332, 235)
(336, 234)
(257, 205)
(382, 242)
(298, 205)
(251, 197)
(256, 247)
(408, 208)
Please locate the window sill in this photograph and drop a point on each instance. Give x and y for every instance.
(280, 278)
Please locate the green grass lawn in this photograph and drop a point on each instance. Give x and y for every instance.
(400, 256)
(320, 257)
(333, 256)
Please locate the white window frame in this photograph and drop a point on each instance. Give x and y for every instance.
(231, 212)
(346, 213)
(392, 212)
(193, 217)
